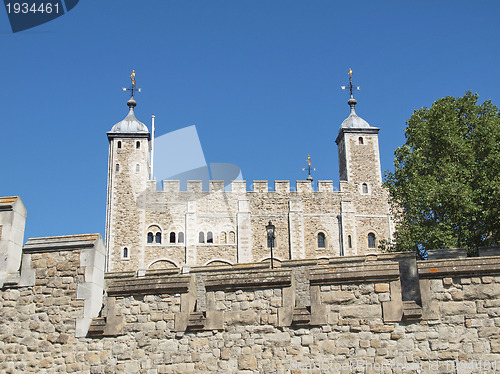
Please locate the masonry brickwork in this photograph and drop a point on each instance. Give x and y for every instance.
(150, 229)
(351, 314)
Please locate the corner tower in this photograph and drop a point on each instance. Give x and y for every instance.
(128, 174)
(365, 209)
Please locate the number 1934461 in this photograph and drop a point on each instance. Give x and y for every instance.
(25, 8)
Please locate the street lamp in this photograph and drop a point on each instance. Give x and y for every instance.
(270, 239)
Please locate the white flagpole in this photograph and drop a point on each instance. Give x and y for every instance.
(153, 143)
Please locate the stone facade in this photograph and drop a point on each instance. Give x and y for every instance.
(150, 229)
(369, 314)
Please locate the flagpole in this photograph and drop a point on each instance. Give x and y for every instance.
(153, 143)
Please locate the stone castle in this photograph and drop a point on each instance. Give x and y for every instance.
(150, 229)
(161, 298)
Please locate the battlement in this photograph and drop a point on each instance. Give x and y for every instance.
(240, 186)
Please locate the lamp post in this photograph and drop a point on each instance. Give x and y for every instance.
(270, 239)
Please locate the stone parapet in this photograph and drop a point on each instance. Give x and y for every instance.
(250, 318)
(259, 186)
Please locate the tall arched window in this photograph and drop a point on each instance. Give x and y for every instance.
(360, 140)
(201, 237)
(181, 237)
(223, 238)
(349, 241)
(321, 240)
(232, 237)
(364, 188)
(137, 168)
(125, 252)
(172, 237)
(150, 237)
(138, 145)
(371, 240)
(158, 238)
(210, 237)
(117, 167)
(119, 144)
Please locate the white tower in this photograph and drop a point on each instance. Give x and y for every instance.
(365, 212)
(128, 174)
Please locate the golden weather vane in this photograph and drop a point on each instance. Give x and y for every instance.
(309, 168)
(350, 83)
(132, 88)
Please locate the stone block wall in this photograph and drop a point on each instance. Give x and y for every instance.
(369, 314)
(236, 219)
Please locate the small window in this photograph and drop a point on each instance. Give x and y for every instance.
(321, 240)
(364, 188)
(150, 237)
(223, 238)
(371, 240)
(138, 145)
(181, 237)
(210, 237)
(158, 238)
(360, 140)
(119, 144)
(349, 241)
(117, 167)
(137, 168)
(125, 252)
(232, 237)
(172, 237)
(201, 237)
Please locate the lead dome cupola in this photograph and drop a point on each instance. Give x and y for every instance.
(354, 121)
(130, 124)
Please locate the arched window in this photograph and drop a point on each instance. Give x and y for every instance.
(172, 237)
(150, 237)
(349, 241)
(138, 145)
(158, 238)
(117, 167)
(181, 237)
(125, 252)
(201, 237)
(210, 237)
(364, 188)
(137, 168)
(371, 240)
(223, 238)
(360, 140)
(232, 237)
(321, 240)
(119, 144)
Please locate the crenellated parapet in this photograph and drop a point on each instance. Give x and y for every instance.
(240, 186)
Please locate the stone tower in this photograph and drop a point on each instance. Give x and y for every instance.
(365, 215)
(128, 175)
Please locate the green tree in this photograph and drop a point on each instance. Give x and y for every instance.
(445, 189)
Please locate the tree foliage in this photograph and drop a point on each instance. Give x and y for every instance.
(445, 189)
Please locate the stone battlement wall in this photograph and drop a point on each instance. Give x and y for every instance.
(280, 186)
(383, 309)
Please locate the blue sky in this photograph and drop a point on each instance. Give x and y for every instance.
(259, 79)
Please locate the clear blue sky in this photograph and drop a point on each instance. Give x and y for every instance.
(260, 80)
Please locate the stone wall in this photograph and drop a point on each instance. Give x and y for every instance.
(363, 312)
(236, 220)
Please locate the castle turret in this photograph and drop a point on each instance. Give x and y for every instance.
(365, 216)
(128, 174)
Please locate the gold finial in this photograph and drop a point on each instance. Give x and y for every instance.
(132, 88)
(309, 168)
(132, 77)
(351, 87)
